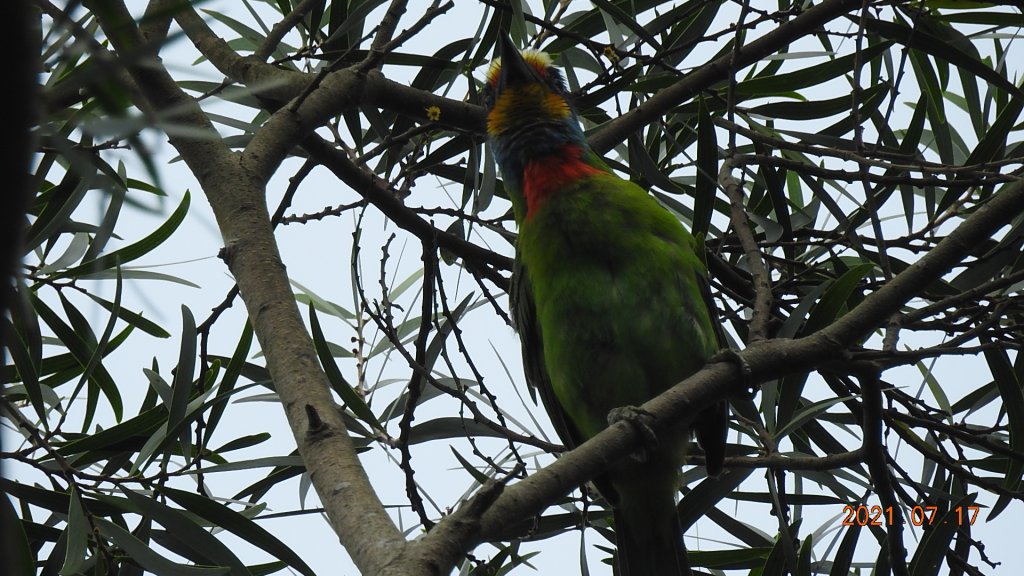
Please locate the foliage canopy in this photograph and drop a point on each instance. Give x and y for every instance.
(854, 170)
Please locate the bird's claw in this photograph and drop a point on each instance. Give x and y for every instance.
(734, 356)
(637, 417)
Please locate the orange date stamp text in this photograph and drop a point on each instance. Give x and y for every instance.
(861, 515)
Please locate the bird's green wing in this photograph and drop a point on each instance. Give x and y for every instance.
(524, 315)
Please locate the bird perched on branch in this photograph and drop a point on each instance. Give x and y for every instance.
(610, 299)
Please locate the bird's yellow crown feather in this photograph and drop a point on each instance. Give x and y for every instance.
(529, 100)
(539, 60)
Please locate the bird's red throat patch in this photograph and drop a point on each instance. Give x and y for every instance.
(545, 176)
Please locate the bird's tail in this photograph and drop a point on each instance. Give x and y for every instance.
(711, 429)
(642, 553)
(649, 536)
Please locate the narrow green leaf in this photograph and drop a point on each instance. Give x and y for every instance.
(643, 166)
(477, 475)
(82, 352)
(244, 442)
(927, 560)
(803, 563)
(397, 291)
(909, 145)
(20, 561)
(134, 318)
(488, 183)
(78, 536)
(138, 274)
(232, 371)
(25, 321)
(27, 371)
(976, 399)
(706, 186)
(690, 24)
(353, 21)
(844, 555)
(446, 327)
(449, 427)
(628, 20)
(935, 388)
(63, 199)
(739, 528)
(397, 407)
(157, 383)
(238, 525)
(241, 29)
(742, 559)
(932, 89)
(707, 494)
(140, 552)
(187, 531)
(325, 306)
(920, 38)
(1013, 402)
(807, 414)
(137, 428)
(337, 380)
(833, 303)
(813, 109)
(53, 501)
(260, 487)
(76, 248)
(106, 227)
(181, 386)
(987, 150)
(113, 395)
(807, 76)
(155, 445)
(136, 250)
(775, 563)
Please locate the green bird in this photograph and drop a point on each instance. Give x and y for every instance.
(610, 299)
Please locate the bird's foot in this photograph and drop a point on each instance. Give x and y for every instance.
(734, 356)
(638, 418)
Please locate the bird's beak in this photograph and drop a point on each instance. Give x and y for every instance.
(514, 70)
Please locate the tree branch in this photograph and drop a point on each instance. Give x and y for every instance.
(237, 198)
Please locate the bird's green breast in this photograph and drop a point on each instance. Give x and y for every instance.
(615, 284)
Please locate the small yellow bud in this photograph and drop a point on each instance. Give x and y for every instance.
(433, 113)
(611, 54)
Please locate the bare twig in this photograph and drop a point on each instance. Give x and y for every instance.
(285, 25)
(763, 298)
(477, 259)
(384, 44)
(814, 463)
(416, 382)
(876, 458)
